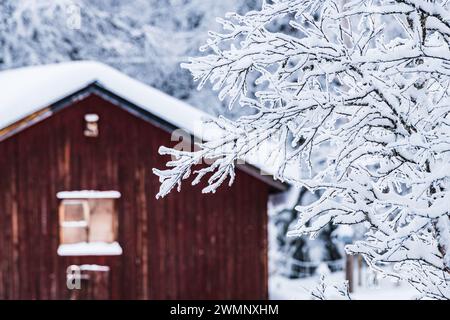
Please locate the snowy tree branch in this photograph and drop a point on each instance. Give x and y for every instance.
(363, 86)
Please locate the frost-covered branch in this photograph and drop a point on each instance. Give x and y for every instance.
(324, 291)
(365, 86)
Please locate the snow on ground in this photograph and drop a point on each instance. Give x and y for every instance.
(281, 288)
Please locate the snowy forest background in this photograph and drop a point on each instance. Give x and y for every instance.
(148, 39)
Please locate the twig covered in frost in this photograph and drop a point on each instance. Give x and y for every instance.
(364, 84)
(324, 291)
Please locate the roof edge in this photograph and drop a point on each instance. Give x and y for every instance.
(44, 113)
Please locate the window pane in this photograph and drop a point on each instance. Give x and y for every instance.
(73, 235)
(73, 223)
(73, 211)
(102, 220)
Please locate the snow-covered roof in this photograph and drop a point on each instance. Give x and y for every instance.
(27, 90)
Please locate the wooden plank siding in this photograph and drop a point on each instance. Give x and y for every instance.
(185, 246)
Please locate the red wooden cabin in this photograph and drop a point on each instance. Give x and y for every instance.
(78, 214)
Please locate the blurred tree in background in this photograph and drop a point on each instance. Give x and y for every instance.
(147, 39)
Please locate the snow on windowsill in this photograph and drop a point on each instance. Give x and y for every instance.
(90, 249)
(94, 267)
(88, 194)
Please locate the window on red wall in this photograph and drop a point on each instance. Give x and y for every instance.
(88, 223)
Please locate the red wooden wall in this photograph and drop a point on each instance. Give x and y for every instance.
(185, 246)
